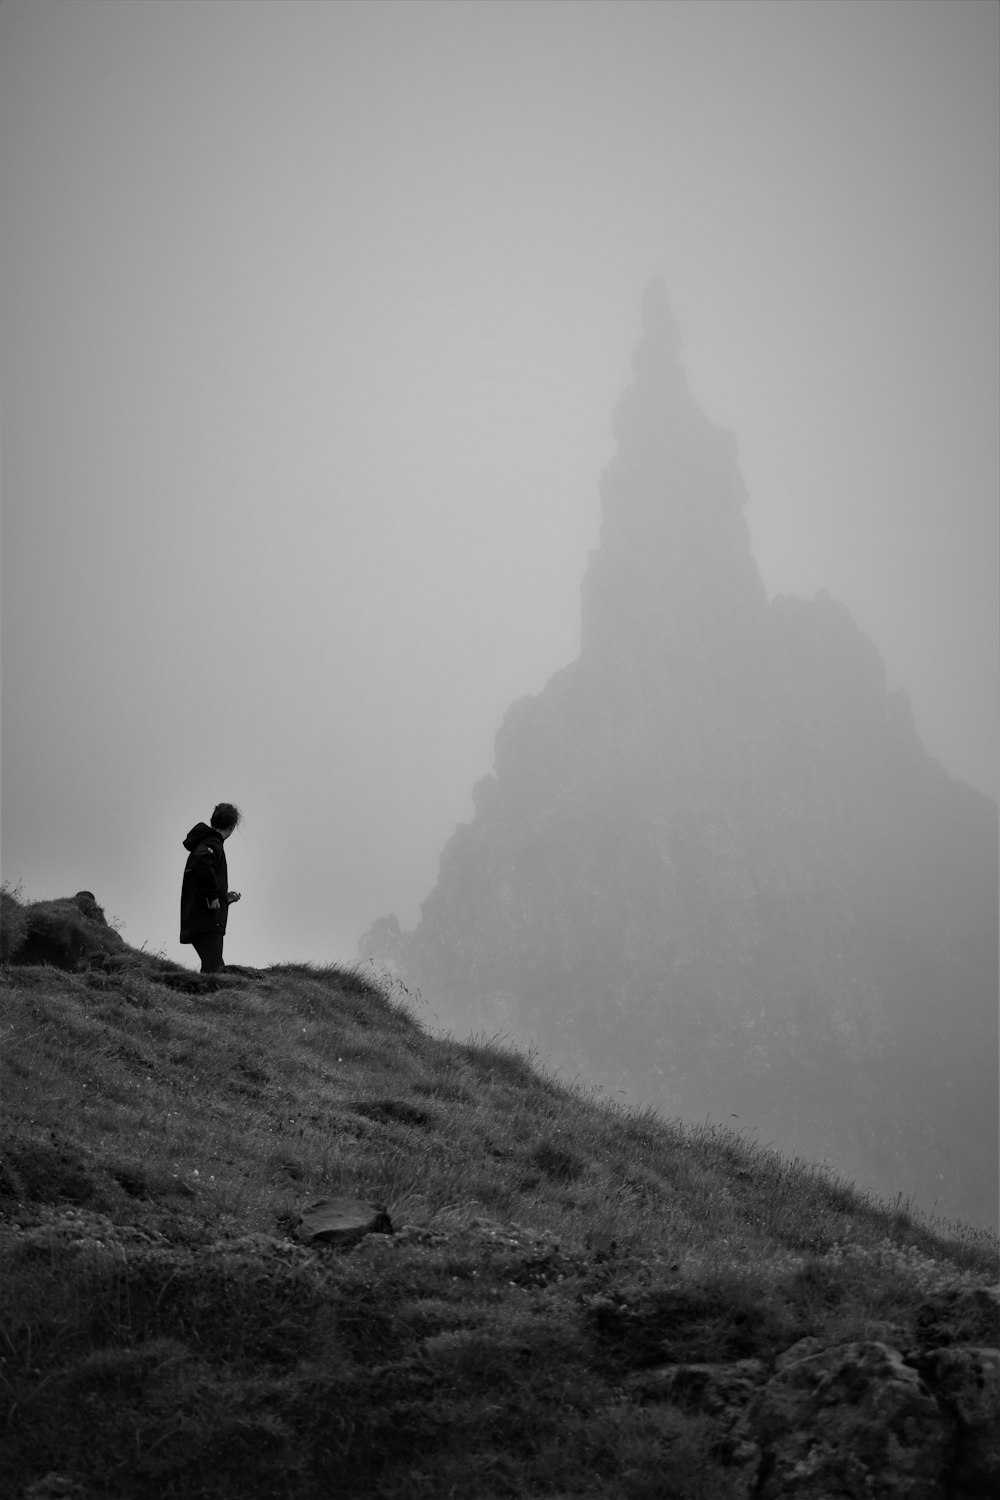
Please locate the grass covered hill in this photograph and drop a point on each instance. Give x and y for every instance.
(567, 1298)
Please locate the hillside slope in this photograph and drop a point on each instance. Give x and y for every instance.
(574, 1300)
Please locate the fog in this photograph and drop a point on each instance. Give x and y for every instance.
(314, 317)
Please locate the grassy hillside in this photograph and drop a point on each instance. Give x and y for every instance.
(163, 1334)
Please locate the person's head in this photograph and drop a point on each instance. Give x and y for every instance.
(225, 818)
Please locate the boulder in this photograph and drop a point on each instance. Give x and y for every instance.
(341, 1222)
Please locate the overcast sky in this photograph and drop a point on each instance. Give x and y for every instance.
(314, 317)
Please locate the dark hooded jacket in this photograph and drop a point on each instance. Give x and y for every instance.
(206, 879)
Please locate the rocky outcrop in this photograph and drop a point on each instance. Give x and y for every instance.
(714, 868)
(852, 1419)
(846, 1420)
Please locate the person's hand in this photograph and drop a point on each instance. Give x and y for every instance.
(215, 904)
(233, 896)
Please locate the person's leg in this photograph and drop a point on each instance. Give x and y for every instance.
(208, 946)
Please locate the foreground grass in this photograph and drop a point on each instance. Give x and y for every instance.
(162, 1334)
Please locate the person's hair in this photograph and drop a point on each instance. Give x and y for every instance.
(226, 815)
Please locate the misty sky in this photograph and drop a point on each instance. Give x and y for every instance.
(314, 317)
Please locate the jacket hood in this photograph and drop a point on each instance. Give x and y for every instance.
(199, 833)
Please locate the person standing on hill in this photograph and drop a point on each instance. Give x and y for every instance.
(205, 894)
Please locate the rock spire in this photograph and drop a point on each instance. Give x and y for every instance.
(714, 869)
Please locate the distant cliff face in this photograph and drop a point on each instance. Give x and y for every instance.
(715, 868)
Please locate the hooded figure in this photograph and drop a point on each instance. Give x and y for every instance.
(205, 894)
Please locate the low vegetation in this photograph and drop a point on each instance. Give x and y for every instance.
(162, 1332)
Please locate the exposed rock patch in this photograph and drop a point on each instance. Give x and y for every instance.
(849, 1420)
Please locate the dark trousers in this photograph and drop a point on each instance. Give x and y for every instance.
(208, 946)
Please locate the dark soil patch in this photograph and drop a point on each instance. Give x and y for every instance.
(672, 1325)
(40, 1173)
(392, 1111)
(959, 1317)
